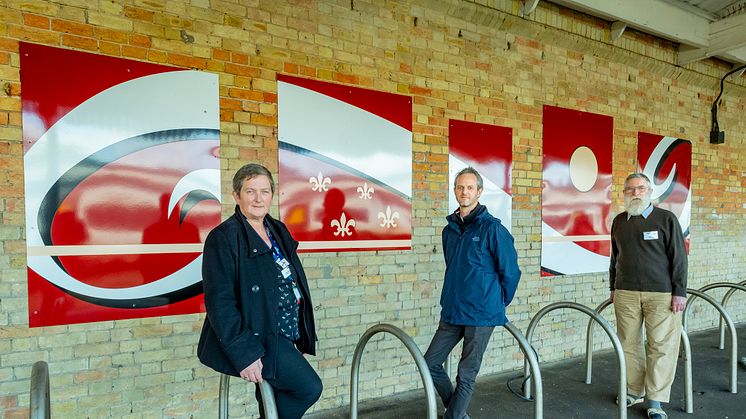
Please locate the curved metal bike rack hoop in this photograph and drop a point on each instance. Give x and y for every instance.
(622, 386)
(733, 288)
(688, 390)
(39, 397)
(530, 355)
(427, 380)
(268, 398)
(727, 296)
(688, 397)
(732, 327)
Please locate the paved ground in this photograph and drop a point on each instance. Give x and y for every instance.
(566, 396)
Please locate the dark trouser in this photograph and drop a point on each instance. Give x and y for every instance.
(296, 384)
(446, 337)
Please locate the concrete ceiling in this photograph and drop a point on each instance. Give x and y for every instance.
(712, 9)
(703, 28)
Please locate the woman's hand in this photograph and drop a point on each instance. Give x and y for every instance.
(253, 372)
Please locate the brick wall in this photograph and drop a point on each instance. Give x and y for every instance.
(470, 60)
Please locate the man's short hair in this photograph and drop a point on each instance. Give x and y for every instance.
(639, 176)
(250, 171)
(470, 170)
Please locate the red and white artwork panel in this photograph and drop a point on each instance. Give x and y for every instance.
(667, 162)
(488, 149)
(122, 185)
(345, 157)
(576, 192)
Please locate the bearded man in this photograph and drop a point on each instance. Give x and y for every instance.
(647, 278)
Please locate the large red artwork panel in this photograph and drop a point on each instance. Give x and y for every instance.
(345, 166)
(489, 150)
(576, 192)
(122, 185)
(667, 162)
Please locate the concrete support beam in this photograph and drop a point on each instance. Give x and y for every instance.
(726, 36)
(656, 17)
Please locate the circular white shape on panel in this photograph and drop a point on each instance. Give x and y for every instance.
(583, 169)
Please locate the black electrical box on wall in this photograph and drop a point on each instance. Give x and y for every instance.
(717, 137)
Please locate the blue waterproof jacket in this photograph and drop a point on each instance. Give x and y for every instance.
(482, 271)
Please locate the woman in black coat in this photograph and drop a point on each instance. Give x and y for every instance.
(259, 322)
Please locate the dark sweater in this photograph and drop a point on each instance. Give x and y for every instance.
(658, 264)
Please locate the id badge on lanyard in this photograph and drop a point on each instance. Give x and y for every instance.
(286, 273)
(284, 265)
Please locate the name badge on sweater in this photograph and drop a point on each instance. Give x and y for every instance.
(650, 235)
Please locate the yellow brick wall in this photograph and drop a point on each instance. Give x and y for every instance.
(470, 60)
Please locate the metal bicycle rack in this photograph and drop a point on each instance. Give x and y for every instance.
(733, 338)
(413, 350)
(530, 355)
(622, 386)
(268, 398)
(39, 397)
(727, 296)
(688, 389)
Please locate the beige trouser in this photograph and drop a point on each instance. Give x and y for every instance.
(650, 371)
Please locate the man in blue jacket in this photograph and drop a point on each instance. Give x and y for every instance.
(481, 278)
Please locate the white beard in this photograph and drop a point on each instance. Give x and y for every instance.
(635, 205)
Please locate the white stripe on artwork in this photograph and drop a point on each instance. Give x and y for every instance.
(568, 257)
(355, 244)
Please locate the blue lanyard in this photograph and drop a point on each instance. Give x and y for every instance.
(282, 262)
(276, 254)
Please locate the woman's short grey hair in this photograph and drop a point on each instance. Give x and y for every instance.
(250, 171)
(470, 170)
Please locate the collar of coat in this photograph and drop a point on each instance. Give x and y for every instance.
(474, 217)
(279, 232)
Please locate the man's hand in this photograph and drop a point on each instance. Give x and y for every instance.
(253, 372)
(611, 296)
(678, 303)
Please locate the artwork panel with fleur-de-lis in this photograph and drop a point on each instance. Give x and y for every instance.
(345, 178)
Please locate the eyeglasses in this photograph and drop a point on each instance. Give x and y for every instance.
(631, 190)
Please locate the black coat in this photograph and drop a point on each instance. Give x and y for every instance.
(240, 280)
